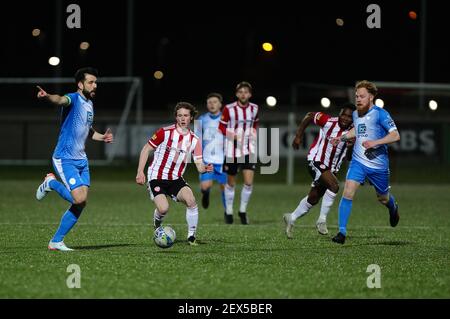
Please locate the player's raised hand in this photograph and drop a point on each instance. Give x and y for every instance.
(296, 142)
(140, 178)
(41, 94)
(108, 136)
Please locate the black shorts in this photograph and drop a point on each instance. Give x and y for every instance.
(231, 166)
(316, 169)
(166, 187)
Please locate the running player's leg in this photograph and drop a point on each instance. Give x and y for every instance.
(186, 196)
(355, 176)
(313, 197)
(77, 173)
(247, 189)
(230, 169)
(162, 207)
(380, 180)
(221, 178)
(206, 183)
(329, 180)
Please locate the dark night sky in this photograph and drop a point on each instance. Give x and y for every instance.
(205, 48)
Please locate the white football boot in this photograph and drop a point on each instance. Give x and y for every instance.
(322, 227)
(44, 188)
(58, 246)
(289, 225)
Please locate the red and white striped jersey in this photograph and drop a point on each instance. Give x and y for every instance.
(321, 149)
(243, 122)
(172, 151)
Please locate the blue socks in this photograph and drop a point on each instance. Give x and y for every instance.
(391, 204)
(345, 209)
(67, 222)
(61, 190)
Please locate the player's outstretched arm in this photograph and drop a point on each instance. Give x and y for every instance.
(202, 168)
(307, 120)
(343, 138)
(108, 137)
(392, 137)
(52, 98)
(143, 158)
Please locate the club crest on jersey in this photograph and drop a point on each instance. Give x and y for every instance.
(90, 118)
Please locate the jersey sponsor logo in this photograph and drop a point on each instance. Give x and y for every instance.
(362, 128)
(90, 118)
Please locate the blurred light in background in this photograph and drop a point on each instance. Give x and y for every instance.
(158, 75)
(267, 46)
(325, 102)
(379, 102)
(339, 22)
(412, 15)
(271, 101)
(433, 105)
(54, 60)
(36, 32)
(84, 45)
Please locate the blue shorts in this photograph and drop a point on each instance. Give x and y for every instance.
(217, 174)
(379, 178)
(73, 173)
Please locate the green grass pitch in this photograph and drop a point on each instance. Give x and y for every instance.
(118, 259)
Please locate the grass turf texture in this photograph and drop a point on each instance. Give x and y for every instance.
(119, 260)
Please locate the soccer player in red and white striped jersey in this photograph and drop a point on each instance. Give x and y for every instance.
(324, 162)
(173, 146)
(239, 123)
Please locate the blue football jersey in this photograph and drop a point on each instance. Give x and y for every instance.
(207, 129)
(76, 121)
(375, 124)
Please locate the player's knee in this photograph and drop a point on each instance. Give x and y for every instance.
(334, 187)
(163, 210)
(313, 199)
(80, 200)
(348, 194)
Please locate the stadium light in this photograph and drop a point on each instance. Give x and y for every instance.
(158, 75)
(267, 46)
(433, 105)
(379, 103)
(36, 32)
(84, 45)
(271, 101)
(325, 102)
(412, 15)
(339, 22)
(54, 60)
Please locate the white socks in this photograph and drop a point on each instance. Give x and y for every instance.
(229, 198)
(192, 220)
(327, 202)
(301, 209)
(245, 197)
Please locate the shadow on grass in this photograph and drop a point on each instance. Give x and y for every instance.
(96, 247)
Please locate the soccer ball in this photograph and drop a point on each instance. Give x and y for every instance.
(164, 236)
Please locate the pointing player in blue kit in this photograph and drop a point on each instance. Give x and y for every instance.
(213, 146)
(69, 158)
(374, 129)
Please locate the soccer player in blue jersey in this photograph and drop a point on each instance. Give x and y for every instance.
(213, 146)
(69, 157)
(374, 129)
